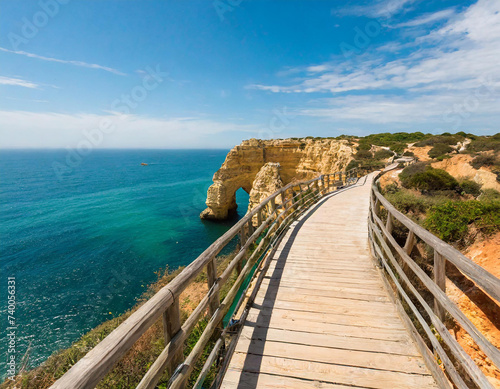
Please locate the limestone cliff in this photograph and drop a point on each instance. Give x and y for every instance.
(267, 181)
(298, 159)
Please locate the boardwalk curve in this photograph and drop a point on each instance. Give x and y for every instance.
(322, 317)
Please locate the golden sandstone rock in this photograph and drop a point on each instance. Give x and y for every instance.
(298, 159)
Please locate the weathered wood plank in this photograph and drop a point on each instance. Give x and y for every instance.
(332, 323)
(338, 356)
(246, 380)
(332, 373)
(327, 340)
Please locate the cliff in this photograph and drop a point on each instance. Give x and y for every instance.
(298, 159)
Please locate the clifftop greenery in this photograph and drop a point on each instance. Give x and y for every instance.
(455, 211)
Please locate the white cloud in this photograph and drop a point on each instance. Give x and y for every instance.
(75, 63)
(381, 8)
(20, 129)
(17, 82)
(450, 111)
(429, 18)
(452, 63)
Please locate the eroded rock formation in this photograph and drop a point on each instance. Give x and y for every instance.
(267, 181)
(298, 159)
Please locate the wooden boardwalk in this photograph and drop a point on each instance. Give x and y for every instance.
(322, 317)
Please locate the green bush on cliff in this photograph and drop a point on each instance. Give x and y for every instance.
(470, 187)
(451, 221)
(425, 178)
(484, 160)
(484, 143)
(383, 154)
(440, 150)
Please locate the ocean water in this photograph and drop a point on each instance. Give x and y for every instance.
(83, 246)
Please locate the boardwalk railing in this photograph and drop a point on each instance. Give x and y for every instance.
(413, 287)
(261, 227)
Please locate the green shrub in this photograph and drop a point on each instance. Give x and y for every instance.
(383, 154)
(450, 221)
(445, 139)
(483, 160)
(425, 178)
(439, 150)
(407, 202)
(470, 187)
(353, 164)
(490, 195)
(363, 154)
(364, 146)
(484, 143)
(408, 153)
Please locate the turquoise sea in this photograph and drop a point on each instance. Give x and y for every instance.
(83, 246)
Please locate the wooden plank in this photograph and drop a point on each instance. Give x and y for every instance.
(373, 360)
(320, 268)
(285, 300)
(367, 327)
(332, 373)
(328, 340)
(246, 380)
(365, 284)
(353, 293)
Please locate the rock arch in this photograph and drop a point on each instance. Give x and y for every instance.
(298, 159)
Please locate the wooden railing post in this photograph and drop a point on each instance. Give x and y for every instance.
(410, 242)
(440, 280)
(389, 225)
(328, 183)
(259, 218)
(211, 279)
(242, 243)
(273, 209)
(283, 199)
(171, 325)
(377, 207)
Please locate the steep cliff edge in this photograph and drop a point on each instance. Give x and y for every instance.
(298, 159)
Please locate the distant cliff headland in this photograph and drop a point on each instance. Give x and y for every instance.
(297, 158)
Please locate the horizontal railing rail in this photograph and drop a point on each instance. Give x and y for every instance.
(445, 357)
(262, 226)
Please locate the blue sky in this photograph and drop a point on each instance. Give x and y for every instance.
(170, 74)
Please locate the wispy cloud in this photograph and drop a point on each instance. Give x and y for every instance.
(17, 82)
(451, 62)
(381, 8)
(75, 63)
(429, 18)
(448, 77)
(30, 100)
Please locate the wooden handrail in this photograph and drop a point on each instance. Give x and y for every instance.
(89, 370)
(397, 263)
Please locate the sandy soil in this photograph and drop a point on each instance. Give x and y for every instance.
(459, 167)
(483, 312)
